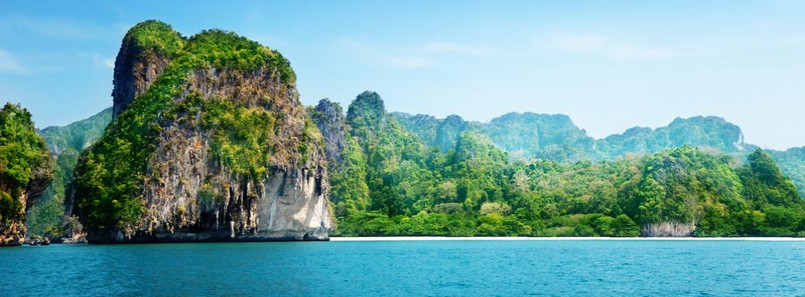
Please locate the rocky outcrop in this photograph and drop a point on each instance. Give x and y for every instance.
(25, 173)
(12, 233)
(233, 155)
(668, 229)
(442, 133)
(12, 230)
(191, 197)
(137, 66)
(366, 115)
(329, 118)
(135, 70)
(40, 180)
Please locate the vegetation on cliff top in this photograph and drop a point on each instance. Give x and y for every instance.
(153, 35)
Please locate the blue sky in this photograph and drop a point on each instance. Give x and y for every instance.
(610, 65)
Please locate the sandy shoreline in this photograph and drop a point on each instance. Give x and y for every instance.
(442, 238)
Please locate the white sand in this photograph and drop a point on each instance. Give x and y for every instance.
(442, 238)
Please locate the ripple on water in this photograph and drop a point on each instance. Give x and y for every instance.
(429, 268)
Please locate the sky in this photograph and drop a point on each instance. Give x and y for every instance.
(609, 65)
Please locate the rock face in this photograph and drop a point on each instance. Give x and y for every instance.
(13, 230)
(137, 66)
(329, 118)
(668, 229)
(231, 156)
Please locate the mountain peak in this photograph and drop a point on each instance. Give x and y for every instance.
(217, 114)
(146, 50)
(367, 110)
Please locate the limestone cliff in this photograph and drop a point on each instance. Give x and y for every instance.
(142, 58)
(25, 171)
(329, 118)
(214, 146)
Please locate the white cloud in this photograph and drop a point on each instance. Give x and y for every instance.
(10, 64)
(579, 42)
(99, 60)
(109, 63)
(373, 55)
(413, 57)
(603, 45)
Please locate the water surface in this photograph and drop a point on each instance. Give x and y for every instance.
(431, 268)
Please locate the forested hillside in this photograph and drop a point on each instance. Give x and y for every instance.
(392, 180)
(528, 136)
(25, 171)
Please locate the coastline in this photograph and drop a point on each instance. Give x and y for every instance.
(444, 238)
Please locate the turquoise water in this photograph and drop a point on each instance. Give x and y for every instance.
(435, 268)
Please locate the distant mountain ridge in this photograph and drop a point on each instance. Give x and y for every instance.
(555, 137)
(529, 174)
(77, 135)
(529, 135)
(700, 131)
(66, 143)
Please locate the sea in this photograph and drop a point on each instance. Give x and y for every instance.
(409, 268)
